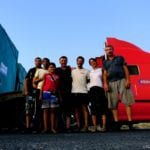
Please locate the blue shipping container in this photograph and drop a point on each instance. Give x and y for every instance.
(8, 63)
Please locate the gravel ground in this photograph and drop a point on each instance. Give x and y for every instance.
(123, 140)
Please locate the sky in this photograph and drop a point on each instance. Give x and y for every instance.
(52, 28)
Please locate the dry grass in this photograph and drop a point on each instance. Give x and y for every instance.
(137, 126)
(142, 126)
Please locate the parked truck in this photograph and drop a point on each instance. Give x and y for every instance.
(12, 75)
(138, 62)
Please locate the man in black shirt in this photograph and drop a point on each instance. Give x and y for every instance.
(64, 73)
(117, 82)
(30, 93)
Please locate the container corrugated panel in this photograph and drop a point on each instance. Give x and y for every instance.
(8, 63)
(21, 73)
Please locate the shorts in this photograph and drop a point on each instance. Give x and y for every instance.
(32, 102)
(66, 103)
(79, 99)
(49, 100)
(117, 90)
(98, 101)
(29, 105)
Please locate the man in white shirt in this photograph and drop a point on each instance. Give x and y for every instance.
(37, 83)
(39, 74)
(80, 77)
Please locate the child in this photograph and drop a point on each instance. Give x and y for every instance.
(49, 98)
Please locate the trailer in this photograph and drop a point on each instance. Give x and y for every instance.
(12, 75)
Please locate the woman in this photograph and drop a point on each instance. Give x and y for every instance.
(97, 98)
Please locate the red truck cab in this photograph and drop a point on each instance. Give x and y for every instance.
(138, 62)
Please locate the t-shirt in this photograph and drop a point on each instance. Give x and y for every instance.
(29, 77)
(50, 82)
(65, 79)
(95, 77)
(114, 68)
(79, 80)
(40, 74)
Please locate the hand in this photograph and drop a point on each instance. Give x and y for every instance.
(127, 84)
(106, 87)
(26, 93)
(40, 97)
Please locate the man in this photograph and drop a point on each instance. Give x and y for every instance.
(37, 83)
(117, 82)
(29, 91)
(80, 77)
(38, 77)
(64, 73)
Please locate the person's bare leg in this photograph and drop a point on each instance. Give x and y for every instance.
(85, 115)
(93, 128)
(115, 114)
(77, 116)
(116, 124)
(45, 119)
(28, 121)
(103, 121)
(52, 120)
(67, 122)
(94, 120)
(129, 113)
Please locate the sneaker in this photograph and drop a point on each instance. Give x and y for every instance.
(35, 132)
(44, 131)
(103, 129)
(92, 129)
(53, 131)
(84, 129)
(98, 128)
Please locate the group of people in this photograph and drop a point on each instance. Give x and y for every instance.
(52, 92)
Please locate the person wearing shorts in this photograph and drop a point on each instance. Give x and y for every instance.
(117, 84)
(37, 83)
(30, 94)
(97, 98)
(80, 77)
(49, 98)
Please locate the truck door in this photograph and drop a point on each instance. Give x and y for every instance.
(134, 78)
